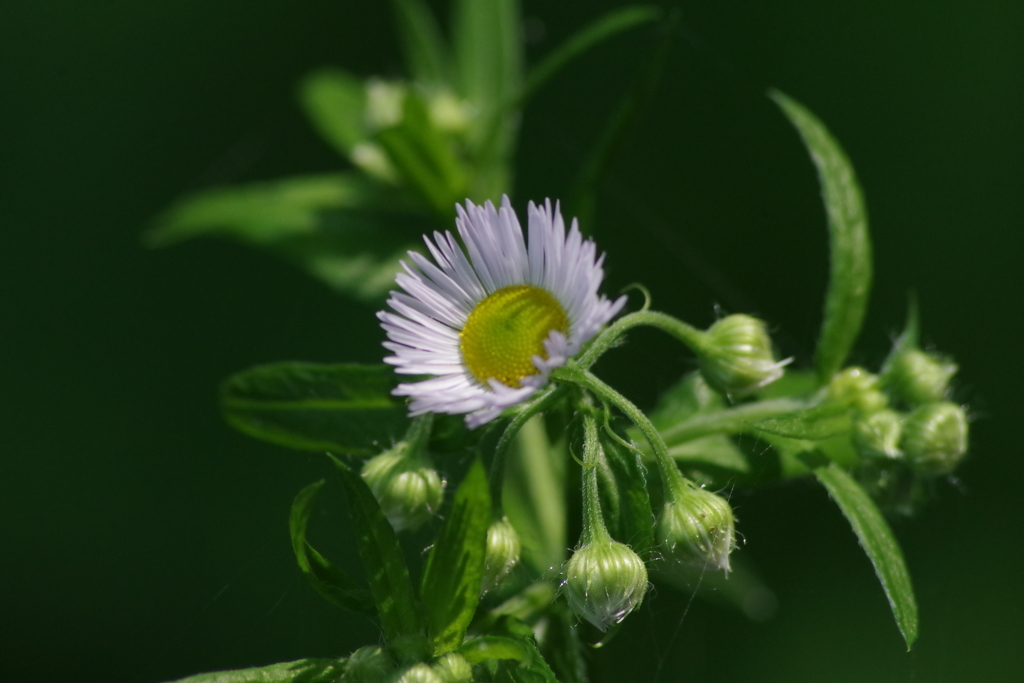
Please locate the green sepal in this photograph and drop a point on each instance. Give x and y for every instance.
(850, 278)
(308, 406)
(329, 581)
(455, 565)
(335, 102)
(426, 55)
(875, 537)
(386, 569)
(300, 671)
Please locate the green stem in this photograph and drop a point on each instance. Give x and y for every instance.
(594, 529)
(730, 420)
(689, 335)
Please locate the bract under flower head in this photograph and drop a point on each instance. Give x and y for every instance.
(491, 326)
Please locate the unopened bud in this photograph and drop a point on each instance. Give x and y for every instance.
(372, 160)
(697, 530)
(502, 555)
(918, 377)
(605, 581)
(408, 489)
(418, 673)
(384, 101)
(367, 665)
(448, 113)
(859, 389)
(935, 437)
(453, 668)
(878, 435)
(736, 356)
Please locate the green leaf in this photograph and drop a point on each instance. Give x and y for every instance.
(343, 228)
(489, 648)
(335, 102)
(329, 581)
(850, 280)
(424, 158)
(426, 54)
(583, 40)
(342, 408)
(382, 557)
(812, 424)
(877, 540)
(690, 396)
(301, 671)
(625, 501)
(533, 669)
(488, 51)
(455, 566)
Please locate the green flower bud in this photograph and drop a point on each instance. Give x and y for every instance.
(418, 673)
(697, 530)
(859, 389)
(367, 665)
(448, 112)
(453, 668)
(736, 356)
(605, 581)
(408, 489)
(878, 435)
(384, 100)
(935, 437)
(502, 553)
(917, 377)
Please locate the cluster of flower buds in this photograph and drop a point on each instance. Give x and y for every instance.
(404, 481)
(735, 356)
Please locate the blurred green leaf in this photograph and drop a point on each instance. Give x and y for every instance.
(455, 565)
(877, 540)
(301, 671)
(625, 502)
(382, 557)
(329, 581)
(343, 228)
(424, 158)
(717, 451)
(532, 669)
(308, 406)
(426, 54)
(741, 589)
(690, 396)
(850, 280)
(488, 51)
(589, 36)
(335, 102)
(487, 648)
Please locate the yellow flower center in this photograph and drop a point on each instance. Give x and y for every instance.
(507, 329)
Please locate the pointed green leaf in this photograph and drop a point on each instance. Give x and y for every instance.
(593, 34)
(341, 408)
(812, 424)
(625, 501)
(335, 101)
(426, 54)
(877, 540)
(455, 566)
(382, 557)
(488, 51)
(301, 671)
(329, 581)
(850, 279)
(344, 229)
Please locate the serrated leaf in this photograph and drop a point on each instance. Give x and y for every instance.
(455, 565)
(329, 581)
(426, 54)
(343, 228)
(877, 540)
(300, 671)
(335, 102)
(850, 278)
(308, 406)
(382, 557)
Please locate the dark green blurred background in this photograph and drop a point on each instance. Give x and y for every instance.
(142, 540)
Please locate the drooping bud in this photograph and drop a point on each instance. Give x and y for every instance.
(367, 665)
(604, 581)
(453, 668)
(736, 356)
(859, 389)
(419, 673)
(405, 484)
(917, 377)
(502, 555)
(935, 437)
(697, 529)
(878, 435)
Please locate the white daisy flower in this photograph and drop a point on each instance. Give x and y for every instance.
(492, 326)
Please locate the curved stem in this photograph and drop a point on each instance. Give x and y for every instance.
(688, 334)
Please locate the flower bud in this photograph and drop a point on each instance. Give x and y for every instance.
(502, 553)
(384, 100)
(935, 437)
(736, 356)
(605, 581)
(878, 435)
(917, 377)
(448, 113)
(697, 530)
(408, 489)
(367, 665)
(859, 389)
(418, 673)
(453, 668)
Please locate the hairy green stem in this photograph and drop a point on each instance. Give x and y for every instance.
(608, 338)
(594, 529)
